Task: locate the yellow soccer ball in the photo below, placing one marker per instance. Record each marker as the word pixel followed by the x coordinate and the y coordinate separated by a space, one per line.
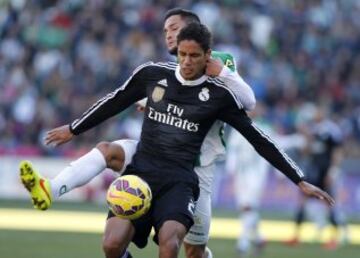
pixel 129 197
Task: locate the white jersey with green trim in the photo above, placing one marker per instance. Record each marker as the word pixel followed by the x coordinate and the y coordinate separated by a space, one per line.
pixel 213 147
pixel 212 150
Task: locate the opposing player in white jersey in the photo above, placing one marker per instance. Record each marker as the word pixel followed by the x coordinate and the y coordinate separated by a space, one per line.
pixel 250 173
pixel 117 155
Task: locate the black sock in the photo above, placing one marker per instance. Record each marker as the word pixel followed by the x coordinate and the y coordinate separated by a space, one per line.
pixel 126 254
pixel 300 215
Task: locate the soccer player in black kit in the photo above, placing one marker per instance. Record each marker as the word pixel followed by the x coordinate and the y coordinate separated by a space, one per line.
pixel 182 105
pixel 324 153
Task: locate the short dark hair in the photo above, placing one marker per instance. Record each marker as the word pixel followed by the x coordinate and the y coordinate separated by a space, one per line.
pixel 187 15
pixel 197 32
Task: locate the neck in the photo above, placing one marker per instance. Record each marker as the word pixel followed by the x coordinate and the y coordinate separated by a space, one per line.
pixel 196 80
pixel 195 77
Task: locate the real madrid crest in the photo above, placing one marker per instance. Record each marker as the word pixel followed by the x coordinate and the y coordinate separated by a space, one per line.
pixel 204 94
pixel 158 93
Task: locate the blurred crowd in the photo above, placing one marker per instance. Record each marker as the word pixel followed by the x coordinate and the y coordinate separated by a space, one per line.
pixel 58 57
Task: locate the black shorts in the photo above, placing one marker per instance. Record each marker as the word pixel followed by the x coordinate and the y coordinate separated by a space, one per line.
pixel 173 201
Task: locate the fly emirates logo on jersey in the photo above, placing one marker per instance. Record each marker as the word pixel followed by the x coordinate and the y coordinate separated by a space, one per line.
pixel 173 117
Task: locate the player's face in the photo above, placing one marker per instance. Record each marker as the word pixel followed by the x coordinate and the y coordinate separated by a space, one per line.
pixel 192 59
pixel 172 27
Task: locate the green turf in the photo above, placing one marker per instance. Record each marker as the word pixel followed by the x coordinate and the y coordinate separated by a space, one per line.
pixel 26 244
pixel 48 244
pixel 101 207
pixel 58 205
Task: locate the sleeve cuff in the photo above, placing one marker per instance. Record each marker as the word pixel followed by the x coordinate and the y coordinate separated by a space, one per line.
pixel 72 130
pixel 298 180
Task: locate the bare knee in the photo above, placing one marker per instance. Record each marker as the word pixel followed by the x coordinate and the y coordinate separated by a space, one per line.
pixel 170 246
pixel 117 236
pixel 113 154
pixel 194 251
pixel 112 245
pixel 171 236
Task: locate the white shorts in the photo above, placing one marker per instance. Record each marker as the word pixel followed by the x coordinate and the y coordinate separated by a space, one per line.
pixel 129 147
pixel 199 233
pixel 249 186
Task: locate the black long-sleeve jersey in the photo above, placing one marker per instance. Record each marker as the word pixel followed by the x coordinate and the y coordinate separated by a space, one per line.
pixel 326 138
pixel 177 117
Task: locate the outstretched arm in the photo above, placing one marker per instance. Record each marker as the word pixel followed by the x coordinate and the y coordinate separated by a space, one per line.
pixel 113 103
pixel 261 142
pixel 267 149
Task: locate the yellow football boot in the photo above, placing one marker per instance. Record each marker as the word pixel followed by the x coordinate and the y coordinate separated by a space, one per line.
pixel 37 186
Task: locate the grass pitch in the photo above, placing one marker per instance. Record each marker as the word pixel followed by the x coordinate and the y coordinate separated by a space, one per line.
pixel 39 244
pixel 66 232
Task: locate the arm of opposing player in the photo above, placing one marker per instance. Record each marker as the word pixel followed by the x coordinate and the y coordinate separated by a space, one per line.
pixel 233 81
pixel 243 91
pixel 113 103
pixel 262 143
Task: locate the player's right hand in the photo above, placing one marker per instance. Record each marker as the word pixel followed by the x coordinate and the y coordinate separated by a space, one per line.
pixel 58 136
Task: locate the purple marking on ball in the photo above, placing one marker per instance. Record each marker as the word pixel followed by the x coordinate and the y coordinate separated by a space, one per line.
pixel 118 210
pixel 125 184
pixel 129 212
pixel 118 185
pixel 132 191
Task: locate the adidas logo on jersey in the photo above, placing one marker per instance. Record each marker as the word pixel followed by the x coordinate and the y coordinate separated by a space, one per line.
pixel 163 82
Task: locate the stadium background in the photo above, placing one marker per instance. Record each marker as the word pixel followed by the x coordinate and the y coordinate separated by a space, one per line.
pixel 59 57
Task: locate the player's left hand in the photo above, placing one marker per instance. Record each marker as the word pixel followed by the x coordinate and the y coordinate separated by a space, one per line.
pixel 214 67
pixel 311 190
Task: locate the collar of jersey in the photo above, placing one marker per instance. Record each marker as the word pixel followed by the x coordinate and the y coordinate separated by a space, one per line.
pixel 188 82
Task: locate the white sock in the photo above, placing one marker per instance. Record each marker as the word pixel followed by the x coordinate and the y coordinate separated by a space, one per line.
pixel 208 253
pixel 78 173
pixel 126 254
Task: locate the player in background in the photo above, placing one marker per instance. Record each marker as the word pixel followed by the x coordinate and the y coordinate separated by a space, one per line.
pixel 118 154
pixel 324 151
pixel 249 172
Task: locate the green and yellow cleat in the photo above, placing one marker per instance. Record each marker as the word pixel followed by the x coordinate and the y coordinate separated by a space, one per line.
pixel 37 186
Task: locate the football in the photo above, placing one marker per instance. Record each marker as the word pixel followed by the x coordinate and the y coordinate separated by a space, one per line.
pixel 129 197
